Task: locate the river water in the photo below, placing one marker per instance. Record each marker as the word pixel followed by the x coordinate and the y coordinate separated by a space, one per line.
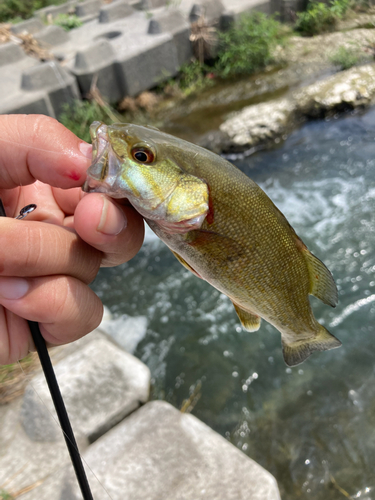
pixel 311 426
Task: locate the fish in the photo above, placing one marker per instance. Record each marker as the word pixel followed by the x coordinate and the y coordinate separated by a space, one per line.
pixel 221 226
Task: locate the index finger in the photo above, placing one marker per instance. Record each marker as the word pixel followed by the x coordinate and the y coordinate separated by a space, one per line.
pixel 39 147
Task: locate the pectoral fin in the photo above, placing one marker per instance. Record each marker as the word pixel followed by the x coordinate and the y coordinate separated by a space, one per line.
pixel 250 321
pixel 185 264
pixel 296 352
pixel 322 284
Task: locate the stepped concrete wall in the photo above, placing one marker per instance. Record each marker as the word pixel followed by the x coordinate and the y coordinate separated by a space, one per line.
pixel 126 47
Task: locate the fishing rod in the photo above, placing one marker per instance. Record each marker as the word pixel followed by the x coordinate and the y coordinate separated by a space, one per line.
pixel 54 388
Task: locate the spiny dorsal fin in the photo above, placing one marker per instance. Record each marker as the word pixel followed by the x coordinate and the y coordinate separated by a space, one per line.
pixel 250 321
pixel 322 284
pixel 296 352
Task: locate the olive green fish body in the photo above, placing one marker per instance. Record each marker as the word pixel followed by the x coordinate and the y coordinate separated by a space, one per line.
pixel 222 227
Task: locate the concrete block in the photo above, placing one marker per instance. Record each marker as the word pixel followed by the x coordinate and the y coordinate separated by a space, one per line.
pixel 53 11
pixel 172 21
pixel 97 61
pixel 101 384
pixel 32 26
pixel 10 53
pixel 211 10
pixel 88 8
pixel 51 35
pixel 46 86
pixel 25 464
pixel 144 69
pixel 160 453
pixel 151 4
pixel 114 11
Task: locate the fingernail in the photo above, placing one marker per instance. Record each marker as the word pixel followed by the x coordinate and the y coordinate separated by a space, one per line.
pixel 86 149
pixel 112 220
pixel 13 288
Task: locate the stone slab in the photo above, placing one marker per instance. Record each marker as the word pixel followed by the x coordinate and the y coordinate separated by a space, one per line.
pixel 100 384
pixel 161 453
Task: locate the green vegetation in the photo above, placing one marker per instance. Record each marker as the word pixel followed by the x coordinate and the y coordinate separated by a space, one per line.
pixel 5 496
pixel 320 17
pixel 78 116
pixel 68 21
pixel 345 57
pixel 23 9
pixel 247 46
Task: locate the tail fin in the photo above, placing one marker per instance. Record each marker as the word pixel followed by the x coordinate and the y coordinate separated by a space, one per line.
pixel 297 352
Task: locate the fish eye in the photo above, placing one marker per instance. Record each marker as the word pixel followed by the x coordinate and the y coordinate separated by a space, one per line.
pixel 143 155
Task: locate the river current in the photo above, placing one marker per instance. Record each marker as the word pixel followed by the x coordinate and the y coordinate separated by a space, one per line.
pixel 311 426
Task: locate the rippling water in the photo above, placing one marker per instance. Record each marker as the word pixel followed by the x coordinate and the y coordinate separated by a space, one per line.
pixel 311 426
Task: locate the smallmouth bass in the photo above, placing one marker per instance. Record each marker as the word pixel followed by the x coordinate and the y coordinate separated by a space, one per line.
pixel 221 226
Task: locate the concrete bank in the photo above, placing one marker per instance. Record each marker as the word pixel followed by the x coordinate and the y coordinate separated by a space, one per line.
pixel 134 449
pixel 126 46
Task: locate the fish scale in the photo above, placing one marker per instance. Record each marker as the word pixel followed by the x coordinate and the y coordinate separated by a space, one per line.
pixel 221 226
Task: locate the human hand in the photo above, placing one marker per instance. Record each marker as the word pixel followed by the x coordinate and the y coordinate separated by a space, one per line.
pixel 48 259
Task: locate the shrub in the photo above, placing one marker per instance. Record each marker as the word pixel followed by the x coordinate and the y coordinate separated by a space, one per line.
pixel 247 46
pixel 318 18
pixel 68 21
pixel 22 8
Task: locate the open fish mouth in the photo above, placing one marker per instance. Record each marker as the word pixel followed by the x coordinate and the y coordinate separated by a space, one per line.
pixel 103 174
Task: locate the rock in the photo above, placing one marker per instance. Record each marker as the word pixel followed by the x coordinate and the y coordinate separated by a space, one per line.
pixel 270 121
pixel 127 331
pixel 161 453
pixel 348 89
pixel 260 123
pixel 101 384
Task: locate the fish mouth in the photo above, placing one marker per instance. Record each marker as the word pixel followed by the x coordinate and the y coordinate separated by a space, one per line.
pixel 106 167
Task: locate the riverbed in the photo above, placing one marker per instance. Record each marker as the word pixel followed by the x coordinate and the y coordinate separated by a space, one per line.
pixel 312 425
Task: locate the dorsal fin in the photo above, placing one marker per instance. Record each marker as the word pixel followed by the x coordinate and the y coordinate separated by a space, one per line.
pixel 322 284
pixel 250 321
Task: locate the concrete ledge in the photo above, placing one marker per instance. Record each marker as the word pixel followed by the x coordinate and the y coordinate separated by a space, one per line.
pixel 101 384
pixel 160 453
pixel 10 53
pixel 114 11
pixel 32 26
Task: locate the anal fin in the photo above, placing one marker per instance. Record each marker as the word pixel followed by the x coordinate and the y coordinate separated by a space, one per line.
pixel 250 321
pixel 322 284
pixel 296 352
pixel 185 264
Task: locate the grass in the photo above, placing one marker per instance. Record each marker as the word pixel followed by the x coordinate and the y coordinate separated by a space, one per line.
pixel 345 57
pixel 78 116
pixel 5 496
pixel 13 380
pixel 68 21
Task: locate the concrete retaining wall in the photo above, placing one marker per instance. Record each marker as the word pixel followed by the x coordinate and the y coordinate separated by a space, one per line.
pixel 126 46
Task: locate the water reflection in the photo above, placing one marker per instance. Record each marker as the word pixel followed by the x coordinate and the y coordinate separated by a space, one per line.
pixel 311 426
